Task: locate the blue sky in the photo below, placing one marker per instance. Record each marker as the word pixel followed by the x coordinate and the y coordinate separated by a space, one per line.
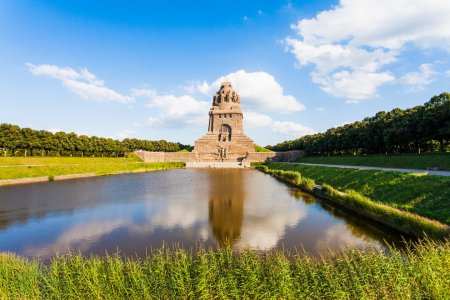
pixel 148 69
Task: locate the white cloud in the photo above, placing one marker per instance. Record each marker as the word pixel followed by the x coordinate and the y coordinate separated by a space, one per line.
pixel 258 91
pixel 137 124
pixel 245 18
pixel 363 36
pixel 54 130
pixel 125 133
pixel 148 93
pixel 260 12
pixel 447 73
pixel 352 101
pixel 253 119
pixel 417 80
pixel 345 123
pixel 71 79
pixel 291 129
pixel 178 111
pixel 321 108
pixel 153 122
pixel 354 85
pixel 192 87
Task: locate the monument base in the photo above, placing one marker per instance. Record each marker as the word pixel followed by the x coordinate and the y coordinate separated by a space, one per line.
pixel 218 165
pixel 209 148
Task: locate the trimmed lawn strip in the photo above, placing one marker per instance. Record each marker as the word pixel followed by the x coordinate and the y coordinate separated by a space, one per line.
pixel 402 161
pixel 61 160
pixel 422 194
pixel 100 169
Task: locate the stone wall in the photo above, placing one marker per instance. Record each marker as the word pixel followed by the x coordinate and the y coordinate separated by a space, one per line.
pixel 193 156
pixel 148 156
pixel 274 156
pixel 293 155
pixel 180 156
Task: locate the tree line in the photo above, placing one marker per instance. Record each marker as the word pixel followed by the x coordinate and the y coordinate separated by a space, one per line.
pixel 424 128
pixel 16 141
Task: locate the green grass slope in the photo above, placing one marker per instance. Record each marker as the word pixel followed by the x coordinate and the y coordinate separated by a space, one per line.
pixel 404 161
pixel 261 149
pixel 425 195
pixel 188 149
pixel 61 160
pixel 15 172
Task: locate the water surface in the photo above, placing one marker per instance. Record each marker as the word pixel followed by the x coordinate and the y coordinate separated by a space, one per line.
pixel 136 212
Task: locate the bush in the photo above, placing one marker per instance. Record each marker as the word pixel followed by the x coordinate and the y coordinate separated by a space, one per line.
pixel 308 184
pixel 51 178
pixel 403 221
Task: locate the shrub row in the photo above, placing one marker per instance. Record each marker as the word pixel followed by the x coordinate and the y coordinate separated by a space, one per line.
pixel 406 222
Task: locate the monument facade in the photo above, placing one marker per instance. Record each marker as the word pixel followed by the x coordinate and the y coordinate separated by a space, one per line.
pixel 225 139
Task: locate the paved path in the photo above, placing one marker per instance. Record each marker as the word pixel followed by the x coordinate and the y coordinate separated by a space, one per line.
pixel 442 173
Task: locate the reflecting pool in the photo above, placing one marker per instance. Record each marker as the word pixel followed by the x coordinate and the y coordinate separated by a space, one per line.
pixel 136 212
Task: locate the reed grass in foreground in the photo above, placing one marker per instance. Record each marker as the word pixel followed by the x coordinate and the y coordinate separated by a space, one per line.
pixel 420 272
pixel 406 222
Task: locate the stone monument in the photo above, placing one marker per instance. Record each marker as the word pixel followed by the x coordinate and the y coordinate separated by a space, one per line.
pixel 225 140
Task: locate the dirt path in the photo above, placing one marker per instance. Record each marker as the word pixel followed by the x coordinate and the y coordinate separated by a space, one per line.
pixel 442 173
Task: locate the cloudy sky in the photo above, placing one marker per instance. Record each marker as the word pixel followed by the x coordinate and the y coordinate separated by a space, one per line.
pixel 148 69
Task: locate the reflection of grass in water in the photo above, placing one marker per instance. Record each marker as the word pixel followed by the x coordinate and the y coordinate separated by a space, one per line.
pixel 422 273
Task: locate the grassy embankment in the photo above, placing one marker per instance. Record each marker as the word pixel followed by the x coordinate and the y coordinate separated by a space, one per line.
pixel 403 161
pixel 400 200
pixel 261 149
pixel 188 149
pixel 421 273
pixel 24 167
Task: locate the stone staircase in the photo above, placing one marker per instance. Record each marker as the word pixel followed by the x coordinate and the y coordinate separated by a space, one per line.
pixel 216 165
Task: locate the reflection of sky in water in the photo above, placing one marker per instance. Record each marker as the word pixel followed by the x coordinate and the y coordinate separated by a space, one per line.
pixel 136 211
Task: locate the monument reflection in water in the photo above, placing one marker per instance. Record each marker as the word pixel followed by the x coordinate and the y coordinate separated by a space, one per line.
pixel 226 206
pixel 134 212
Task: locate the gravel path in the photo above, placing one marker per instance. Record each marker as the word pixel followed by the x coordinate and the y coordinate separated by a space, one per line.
pixel 442 173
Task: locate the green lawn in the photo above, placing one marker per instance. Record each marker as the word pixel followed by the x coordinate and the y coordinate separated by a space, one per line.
pixel 57 160
pixel 405 161
pixel 261 149
pixel 76 166
pixel 425 195
pixel 188 149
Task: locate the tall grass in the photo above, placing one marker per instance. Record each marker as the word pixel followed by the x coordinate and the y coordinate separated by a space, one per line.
pixel 406 222
pixel 419 272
